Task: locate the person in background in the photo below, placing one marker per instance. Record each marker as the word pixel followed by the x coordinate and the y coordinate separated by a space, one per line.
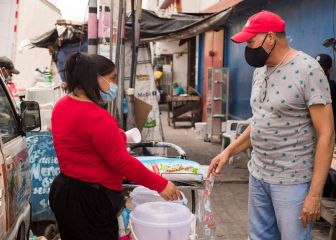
pixel 157 75
pixel 7 70
pixel 326 63
pixel 178 89
pixel 86 196
pixel 291 132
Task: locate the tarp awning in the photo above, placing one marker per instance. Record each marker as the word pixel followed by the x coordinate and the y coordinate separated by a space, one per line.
pixel 64 32
pixel 179 26
pixel 152 28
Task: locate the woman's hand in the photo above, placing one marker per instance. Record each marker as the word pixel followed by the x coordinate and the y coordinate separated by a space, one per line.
pixel 171 193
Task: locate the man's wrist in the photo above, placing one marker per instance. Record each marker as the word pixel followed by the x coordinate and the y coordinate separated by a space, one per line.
pixel 315 193
pixel 228 151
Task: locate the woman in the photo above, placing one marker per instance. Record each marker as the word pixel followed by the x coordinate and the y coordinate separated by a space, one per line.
pixel 92 155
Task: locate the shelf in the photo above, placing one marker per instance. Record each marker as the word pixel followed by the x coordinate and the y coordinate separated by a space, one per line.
pixel 218 116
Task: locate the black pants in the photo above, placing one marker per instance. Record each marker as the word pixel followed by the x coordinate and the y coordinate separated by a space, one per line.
pixel 83 211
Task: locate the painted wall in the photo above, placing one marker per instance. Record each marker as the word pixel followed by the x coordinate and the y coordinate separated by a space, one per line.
pixel 208 3
pixel 308 22
pixel 180 59
pixel 191 6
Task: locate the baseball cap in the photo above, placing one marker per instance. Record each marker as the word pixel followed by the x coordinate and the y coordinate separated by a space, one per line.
pixel 261 22
pixel 7 63
pixel 324 60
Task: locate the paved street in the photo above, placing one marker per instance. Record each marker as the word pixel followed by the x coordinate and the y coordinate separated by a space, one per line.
pixel 231 189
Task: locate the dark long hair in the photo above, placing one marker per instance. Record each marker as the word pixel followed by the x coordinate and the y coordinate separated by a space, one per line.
pixel 82 70
pixel 104 65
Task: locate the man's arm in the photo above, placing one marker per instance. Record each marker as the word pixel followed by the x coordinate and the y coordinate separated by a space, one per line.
pixel 242 143
pixel 322 118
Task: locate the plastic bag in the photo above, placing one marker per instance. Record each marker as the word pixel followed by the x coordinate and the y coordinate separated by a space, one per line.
pixel 205 216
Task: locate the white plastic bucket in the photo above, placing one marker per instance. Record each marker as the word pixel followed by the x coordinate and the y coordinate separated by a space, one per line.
pixel 133 135
pixel 161 220
pixel 141 195
pixel 201 129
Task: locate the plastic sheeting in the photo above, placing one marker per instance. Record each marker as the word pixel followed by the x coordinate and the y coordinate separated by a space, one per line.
pixel 43 168
pixel 180 26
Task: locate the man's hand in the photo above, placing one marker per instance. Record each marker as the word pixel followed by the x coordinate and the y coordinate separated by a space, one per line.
pixel 311 210
pixel 217 163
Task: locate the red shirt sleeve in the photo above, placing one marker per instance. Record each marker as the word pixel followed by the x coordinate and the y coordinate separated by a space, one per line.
pixel 110 144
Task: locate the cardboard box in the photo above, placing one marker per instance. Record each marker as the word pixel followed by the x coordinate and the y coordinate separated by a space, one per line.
pixel 141 112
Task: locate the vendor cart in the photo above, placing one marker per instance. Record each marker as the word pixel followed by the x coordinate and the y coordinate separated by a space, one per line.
pixel 181 180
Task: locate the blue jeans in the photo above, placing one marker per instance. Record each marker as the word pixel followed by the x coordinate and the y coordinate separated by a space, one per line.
pixel 274 211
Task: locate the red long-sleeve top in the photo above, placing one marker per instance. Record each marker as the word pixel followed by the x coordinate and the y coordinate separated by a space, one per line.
pixel 90 147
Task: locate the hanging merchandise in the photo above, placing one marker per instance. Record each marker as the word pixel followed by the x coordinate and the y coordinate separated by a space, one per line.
pixel 145 90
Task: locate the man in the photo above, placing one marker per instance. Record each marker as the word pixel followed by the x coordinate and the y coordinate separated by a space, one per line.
pixel 291 133
pixel 7 69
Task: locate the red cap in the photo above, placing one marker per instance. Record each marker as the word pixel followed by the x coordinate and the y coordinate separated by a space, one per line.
pixel 261 22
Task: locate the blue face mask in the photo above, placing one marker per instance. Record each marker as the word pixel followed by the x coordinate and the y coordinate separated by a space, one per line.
pixel 111 94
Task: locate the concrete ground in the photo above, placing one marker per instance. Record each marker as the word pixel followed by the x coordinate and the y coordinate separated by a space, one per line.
pixel 230 192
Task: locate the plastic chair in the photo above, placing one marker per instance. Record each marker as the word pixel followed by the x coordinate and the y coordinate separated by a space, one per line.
pixel 234 128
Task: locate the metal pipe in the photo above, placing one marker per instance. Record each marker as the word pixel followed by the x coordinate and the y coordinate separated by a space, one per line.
pixel 136 36
pixel 121 75
pixel 120 16
pixel 92 27
pixel 133 62
pixel 120 11
pixel 111 31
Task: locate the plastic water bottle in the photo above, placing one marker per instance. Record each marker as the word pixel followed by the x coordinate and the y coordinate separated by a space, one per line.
pixel 47 75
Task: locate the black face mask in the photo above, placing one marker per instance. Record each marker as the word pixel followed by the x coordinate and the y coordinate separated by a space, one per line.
pixel 257 57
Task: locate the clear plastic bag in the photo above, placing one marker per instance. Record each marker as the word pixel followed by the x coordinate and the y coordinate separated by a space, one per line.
pixel 205 215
